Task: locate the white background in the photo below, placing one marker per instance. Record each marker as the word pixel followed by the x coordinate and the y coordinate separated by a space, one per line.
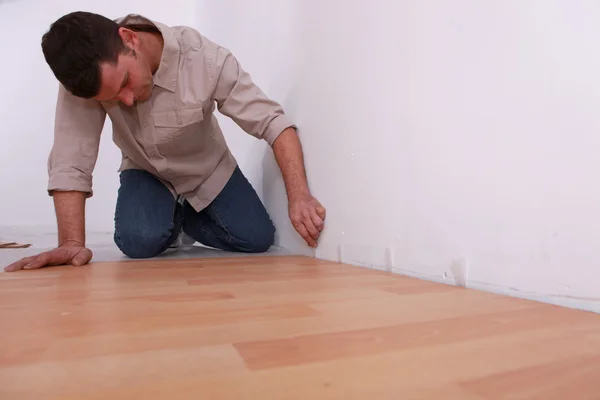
pixel 450 140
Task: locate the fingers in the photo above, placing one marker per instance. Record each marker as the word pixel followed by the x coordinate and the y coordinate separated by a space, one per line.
pixel 41 261
pixel 83 257
pixel 310 226
pixel 317 220
pixel 301 229
pixel 308 218
pixel 321 211
pixel 16 266
pixel 305 225
pixel 58 256
pixel 53 257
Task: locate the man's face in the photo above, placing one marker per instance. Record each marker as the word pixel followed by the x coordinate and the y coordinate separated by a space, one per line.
pixel 127 81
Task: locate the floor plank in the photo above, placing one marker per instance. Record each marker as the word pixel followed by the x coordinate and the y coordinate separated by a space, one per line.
pixel 282 327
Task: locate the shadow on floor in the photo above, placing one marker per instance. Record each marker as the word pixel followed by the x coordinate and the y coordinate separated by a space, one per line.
pixel 105 252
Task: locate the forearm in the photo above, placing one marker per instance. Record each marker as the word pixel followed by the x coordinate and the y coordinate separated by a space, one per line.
pixel 70 217
pixel 289 156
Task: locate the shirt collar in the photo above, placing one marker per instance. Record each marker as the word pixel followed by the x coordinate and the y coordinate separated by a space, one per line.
pixel 166 75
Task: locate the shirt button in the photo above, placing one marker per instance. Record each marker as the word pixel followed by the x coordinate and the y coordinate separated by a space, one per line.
pixel 178 122
pixel 145 124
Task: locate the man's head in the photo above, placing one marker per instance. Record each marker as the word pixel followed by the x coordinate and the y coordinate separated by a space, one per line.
pixel 94 57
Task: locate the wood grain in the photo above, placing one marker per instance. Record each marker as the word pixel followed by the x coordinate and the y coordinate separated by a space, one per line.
pixel 282 328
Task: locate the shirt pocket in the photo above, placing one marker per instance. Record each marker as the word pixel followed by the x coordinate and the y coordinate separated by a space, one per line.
pixel 172 124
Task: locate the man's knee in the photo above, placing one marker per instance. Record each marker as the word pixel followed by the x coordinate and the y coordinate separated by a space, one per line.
pixel 259 241
pixel 137 243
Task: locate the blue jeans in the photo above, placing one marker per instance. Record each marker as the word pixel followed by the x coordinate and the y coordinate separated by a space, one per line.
pixel 148 218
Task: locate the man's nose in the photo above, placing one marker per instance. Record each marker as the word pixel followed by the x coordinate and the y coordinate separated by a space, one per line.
pixel 126 97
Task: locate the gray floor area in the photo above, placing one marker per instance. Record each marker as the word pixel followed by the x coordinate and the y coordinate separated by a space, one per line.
pixel 102 246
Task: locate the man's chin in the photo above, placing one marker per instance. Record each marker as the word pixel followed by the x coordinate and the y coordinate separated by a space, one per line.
pixel 144 96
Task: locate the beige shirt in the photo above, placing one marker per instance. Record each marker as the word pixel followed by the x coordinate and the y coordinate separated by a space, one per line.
pixel 174 135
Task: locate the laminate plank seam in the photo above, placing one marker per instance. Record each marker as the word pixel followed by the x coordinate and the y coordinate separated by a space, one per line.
pixel 311 348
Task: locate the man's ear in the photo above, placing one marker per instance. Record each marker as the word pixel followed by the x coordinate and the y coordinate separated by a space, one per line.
pixel 129 37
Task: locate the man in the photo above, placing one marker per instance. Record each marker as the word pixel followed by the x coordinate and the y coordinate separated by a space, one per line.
pixel 160 87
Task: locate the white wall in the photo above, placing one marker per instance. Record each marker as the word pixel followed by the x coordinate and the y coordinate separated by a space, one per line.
pixel 27 108
pixel 463 135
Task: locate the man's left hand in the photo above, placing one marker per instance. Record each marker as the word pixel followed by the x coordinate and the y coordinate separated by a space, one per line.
pixel 308 218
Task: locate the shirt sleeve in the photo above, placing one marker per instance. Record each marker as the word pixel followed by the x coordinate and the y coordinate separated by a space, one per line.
pixel 77 129
pixel 239 98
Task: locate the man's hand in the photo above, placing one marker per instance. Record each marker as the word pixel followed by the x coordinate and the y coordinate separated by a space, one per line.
pixel 73 254
pixel 308 217
pixel 306 213
pixel 70 213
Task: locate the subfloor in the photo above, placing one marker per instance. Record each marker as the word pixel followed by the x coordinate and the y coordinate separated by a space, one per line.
pixel 281 327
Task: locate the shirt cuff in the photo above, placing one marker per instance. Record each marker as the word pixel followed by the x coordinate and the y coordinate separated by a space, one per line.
pixel 69 183
pixel 276 127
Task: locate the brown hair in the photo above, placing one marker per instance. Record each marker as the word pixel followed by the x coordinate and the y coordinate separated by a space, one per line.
pixel 74 47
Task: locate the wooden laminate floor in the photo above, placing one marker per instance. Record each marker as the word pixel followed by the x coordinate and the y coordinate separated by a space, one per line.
pixel 281 328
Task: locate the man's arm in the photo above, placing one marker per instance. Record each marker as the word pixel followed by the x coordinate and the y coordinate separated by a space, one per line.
pixel 70 217
pixel 306 213
pixel 240 99
pixel 77 132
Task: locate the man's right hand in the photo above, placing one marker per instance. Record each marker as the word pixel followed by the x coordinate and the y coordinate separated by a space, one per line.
pixel 73 254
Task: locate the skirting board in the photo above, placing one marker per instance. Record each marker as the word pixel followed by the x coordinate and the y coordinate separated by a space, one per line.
pixel 455 273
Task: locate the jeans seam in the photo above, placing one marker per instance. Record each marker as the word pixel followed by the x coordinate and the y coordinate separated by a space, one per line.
pixel 230 238
pixel 208 232
pixel 117 225
pixel 174 221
